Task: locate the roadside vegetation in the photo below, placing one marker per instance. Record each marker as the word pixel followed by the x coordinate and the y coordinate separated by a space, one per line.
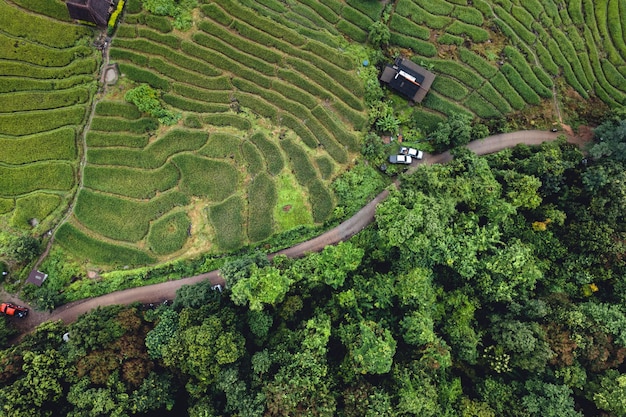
pixel 488 286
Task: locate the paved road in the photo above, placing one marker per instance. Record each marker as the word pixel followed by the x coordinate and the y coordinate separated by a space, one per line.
pixel 167 290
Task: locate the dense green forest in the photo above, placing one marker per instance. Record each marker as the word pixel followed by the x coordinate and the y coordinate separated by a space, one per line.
pixel 488 286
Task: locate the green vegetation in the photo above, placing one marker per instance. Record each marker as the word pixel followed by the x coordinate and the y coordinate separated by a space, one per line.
pixel 228 222
pixel 169 233
pixel 261 202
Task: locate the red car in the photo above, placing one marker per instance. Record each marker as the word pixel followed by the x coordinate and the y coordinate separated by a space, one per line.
pixel 13 310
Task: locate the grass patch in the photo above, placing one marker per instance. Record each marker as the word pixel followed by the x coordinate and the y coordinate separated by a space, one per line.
pixel 292 208
pixel 321 200
pixel 227 220
pixel 131 182
pixel 169 233
pixel 57 144
pixel 35 206
pixel 203 177
pixel 262 198
pixel 19 180
pixel 27 123
pixel 102 139
pixel 222 145
pixel 96 251
pixel 252 158
pixel 325 166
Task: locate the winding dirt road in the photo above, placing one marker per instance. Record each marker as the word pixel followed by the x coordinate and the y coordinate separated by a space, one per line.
pixel 167 290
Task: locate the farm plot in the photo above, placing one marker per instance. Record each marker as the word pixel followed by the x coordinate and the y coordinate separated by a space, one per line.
pixel 245 76
pixel 47 82
pixel 503 56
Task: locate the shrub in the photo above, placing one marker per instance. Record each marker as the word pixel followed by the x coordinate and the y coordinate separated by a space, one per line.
pixel 121 219
pixel 520 85
pixel 449 88
pixel 203 177
pixel 133 6
pixel 112 124
pixel 183 103
pixel 232 120
pixel 144 76
pixel 117 108
pixel 58 144
pixel 262 197
pixel 113 18
pixel 192 121
pixel 425 120
pixel 254 161
pixel 43 100
pixel 300 163
pixel 154 155
pixel 34 206
pixel 228 221
pixel 131 182
pixel 18 180
pixel 169 233
pixel 147 101
pixel 222 145
pixel 501 84
pixel 19 124
pixel 418 46
pixel 95 251
pixel 271 153
pixel 322 204
pixel 101 139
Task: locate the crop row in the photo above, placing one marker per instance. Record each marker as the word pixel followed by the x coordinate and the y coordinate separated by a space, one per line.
pixel 131 182
pixel 50 175
pixel 120 218
pixel 51 8
pixel 418 46
pixel 202 177
pixel 262 197
pixel 227 119
pixel 154 155
pixel 271 153
pixel 118 124
pixel 43 100
pixel 228 222
pixel 104 139
pixel 476 103
pixel 222 145
pixel 301 165
pixel 58 144
pixel 118 109
pixel 252 158
pixel 80 244
pixel 321 200
pixel 24 69
pixel 417 14
pixel 144 76
pixel 257 105
pixel 37 121
pixel 187 104
pixel 435 102
pixel 13 84
pixel 34 206
pixel 16 49
pixel 521 65
pixel 169 233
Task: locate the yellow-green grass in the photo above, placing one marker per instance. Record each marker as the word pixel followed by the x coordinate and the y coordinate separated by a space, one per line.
pixel 262 198
pixel 104 139
pixel 27 123
pixel 253 158
pixel 34 206
pixel 271 153
pixel 6 205
pixel 23 83
pixel 120 218
pixel 56 144
pixel 292 208
pixel 169 233
pixel 22 50
pixel 321 200
pixel 52 8
pixel 90 250
pixel 202 177
pixel 228 223
pixel 42 100
pixel 131 182
pixel 53 175
pixel 222 145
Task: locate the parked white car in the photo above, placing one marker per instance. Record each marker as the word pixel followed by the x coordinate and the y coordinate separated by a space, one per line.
pixel 400 159
pixel 412 152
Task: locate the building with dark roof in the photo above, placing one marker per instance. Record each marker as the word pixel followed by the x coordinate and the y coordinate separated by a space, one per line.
pixel 94 11
pixel 408 79
pixel 36 277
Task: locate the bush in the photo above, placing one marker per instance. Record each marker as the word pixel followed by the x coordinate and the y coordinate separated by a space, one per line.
pixel 34 206
pixel 231 120
pixel 271 153
pixel 117 108
pixel 192 121
pixel 169 233
pixel 424 120
pixel 58 144
pixel 96 251
pixel 228 221
pixel 300 163
pixel 101 139
pixel 121 219
pixel 252 158
pixel 154 155
pixel 27 123
pixel 418 46
pixel 112 124
pixel 143 76
pixel 322 204
pixel 262 197
pixel 160 23
pixel 147 101
pixel 203 177
pixel 18 180
pixel 131 182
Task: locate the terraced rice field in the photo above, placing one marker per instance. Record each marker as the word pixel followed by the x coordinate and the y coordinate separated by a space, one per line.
pixel 47 80
pixel 261 100
pixel 494 57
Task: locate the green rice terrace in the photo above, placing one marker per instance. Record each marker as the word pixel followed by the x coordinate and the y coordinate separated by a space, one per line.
pixel 269 105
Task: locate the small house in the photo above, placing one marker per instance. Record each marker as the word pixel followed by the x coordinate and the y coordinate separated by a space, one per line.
pixel 408 79
pixel 93 11
pixel 36 277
